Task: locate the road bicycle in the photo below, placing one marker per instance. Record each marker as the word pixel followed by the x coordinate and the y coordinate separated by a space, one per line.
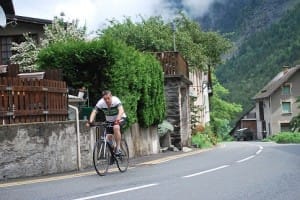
pixel 104 150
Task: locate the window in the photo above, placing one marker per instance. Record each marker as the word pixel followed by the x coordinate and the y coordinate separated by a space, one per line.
pixel 261 111
pixel 285 127
pixel 286 89
pixel 5 49
pixel 286 107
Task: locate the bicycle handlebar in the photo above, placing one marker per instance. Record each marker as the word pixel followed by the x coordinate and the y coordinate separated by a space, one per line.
pixel 99 124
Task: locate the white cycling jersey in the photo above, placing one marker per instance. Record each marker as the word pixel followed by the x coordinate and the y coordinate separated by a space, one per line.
pixel 112 112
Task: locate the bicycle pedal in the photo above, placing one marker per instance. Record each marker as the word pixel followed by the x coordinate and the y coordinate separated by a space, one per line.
pixel 111 161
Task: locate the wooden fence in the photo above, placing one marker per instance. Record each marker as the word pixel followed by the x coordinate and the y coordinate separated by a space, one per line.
pixel 32 100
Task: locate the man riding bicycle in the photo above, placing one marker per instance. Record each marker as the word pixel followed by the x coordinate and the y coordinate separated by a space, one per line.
pixel 114 115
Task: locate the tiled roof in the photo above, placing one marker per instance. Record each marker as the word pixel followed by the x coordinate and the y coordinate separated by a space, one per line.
pixel 276 82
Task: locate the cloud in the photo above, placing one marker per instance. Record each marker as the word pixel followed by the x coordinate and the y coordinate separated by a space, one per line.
pixel 95 13
pixel 197 7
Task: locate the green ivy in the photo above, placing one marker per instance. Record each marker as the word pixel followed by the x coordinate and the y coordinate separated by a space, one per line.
pixel 136 78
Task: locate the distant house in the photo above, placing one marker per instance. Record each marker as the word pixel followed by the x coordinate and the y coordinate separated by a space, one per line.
pixel 15 27
pixel 276 102
pixel 247 122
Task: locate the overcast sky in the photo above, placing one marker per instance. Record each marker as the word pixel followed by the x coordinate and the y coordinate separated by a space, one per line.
pixel 95 13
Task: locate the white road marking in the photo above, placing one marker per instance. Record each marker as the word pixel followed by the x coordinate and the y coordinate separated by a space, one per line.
pixel 117 192
pixel 250 157
pixel 245 159
pixel 260 150
pixel 206 171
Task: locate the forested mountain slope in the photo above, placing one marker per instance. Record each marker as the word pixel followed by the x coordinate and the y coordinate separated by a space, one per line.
pixel 260 57
pixel 244 17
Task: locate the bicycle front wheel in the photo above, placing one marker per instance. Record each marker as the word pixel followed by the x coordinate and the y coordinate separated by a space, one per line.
pixel 101 157
pixel 123 159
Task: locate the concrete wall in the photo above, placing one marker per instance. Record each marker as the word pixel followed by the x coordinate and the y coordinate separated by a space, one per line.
pixel 47 148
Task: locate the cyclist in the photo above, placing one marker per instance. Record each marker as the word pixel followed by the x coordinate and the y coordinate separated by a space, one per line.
pixel 114 115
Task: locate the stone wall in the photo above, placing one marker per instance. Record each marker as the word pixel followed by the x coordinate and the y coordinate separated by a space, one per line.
pixel 47 148
pixel 178 109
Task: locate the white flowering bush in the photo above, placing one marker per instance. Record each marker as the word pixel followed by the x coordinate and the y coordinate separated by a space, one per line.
pixel 164 128
pixel 26 52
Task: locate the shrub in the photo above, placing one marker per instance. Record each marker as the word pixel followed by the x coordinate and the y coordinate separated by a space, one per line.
pixel 205 138
pixel 201 140
pixel 285 137
pixel 164 128
pixel 135 77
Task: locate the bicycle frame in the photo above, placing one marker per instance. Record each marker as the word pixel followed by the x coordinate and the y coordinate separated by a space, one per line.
pixel 107 149
pixel 103 136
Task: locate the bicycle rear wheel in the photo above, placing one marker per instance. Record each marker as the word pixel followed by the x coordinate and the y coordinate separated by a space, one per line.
pixel 123 159
pixel 101 157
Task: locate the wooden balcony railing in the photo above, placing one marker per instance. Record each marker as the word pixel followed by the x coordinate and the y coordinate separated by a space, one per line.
pixel 173 63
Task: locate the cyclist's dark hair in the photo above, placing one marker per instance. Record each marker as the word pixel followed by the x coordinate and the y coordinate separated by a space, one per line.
pixel 106 92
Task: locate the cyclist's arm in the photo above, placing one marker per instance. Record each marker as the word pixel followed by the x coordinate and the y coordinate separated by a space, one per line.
pixel 92 116
pixel 121 112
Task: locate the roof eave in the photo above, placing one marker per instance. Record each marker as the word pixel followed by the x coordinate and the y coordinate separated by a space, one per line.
pixel 29 19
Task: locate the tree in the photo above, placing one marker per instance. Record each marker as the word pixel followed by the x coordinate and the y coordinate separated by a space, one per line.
pixel 58 31
pixel 222 112
pixel 295 122
pixel 199 48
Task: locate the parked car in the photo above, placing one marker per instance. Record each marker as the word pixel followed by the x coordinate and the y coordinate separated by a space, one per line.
pixel 243 134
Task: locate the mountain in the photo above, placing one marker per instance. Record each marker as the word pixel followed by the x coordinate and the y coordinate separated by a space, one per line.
pixel 244 17
pixel 267 37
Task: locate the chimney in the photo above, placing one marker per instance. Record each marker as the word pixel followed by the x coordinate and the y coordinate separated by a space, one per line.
pixel 285 69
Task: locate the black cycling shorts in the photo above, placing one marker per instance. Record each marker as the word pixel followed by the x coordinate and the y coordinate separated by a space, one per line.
pixel 110 126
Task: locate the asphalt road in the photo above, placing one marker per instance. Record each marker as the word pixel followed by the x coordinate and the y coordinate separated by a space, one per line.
pixel 232 171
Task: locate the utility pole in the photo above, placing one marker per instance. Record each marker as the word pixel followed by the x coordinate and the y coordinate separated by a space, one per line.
pixel 174 35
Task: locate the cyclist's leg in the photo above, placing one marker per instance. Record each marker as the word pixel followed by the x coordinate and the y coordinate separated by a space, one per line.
pixel 117 133
pixel 109 134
